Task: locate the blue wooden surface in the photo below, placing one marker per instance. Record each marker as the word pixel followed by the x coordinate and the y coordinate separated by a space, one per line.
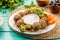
pixel 6 33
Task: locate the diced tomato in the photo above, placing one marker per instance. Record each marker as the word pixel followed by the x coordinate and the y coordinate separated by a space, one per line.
pixel 51 19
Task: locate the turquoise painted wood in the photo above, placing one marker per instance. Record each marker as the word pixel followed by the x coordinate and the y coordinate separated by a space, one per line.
pixel 6 33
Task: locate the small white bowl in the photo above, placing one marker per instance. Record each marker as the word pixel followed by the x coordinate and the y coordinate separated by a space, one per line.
pixel 1 20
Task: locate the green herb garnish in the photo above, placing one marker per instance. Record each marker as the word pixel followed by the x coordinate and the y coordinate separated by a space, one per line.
pixel 39 12
pixel 12 4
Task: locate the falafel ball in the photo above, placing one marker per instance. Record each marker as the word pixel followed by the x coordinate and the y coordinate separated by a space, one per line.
pixel 19 22
pixel 17 17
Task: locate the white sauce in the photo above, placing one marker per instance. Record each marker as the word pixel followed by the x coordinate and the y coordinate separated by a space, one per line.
pixel 30 18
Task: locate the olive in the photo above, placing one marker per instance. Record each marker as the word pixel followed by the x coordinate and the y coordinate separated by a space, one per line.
pixel 57 1
pixel 50 4
pixel 58 4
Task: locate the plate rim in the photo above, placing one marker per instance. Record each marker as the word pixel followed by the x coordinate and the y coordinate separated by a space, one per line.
pixel 21 32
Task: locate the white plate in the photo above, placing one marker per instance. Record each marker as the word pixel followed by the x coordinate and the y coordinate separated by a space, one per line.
pixel 14 27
